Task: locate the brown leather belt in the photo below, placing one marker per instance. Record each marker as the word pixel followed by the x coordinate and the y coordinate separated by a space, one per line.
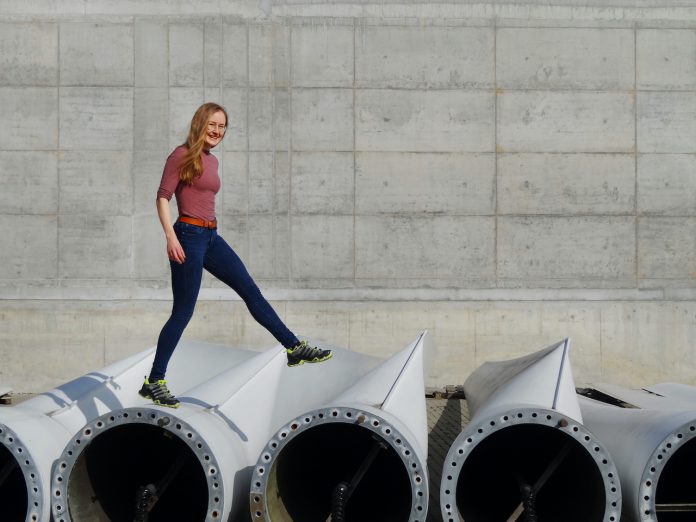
pixel 198 222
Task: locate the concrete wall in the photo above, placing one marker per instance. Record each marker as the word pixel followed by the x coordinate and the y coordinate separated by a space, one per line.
pixel 503 174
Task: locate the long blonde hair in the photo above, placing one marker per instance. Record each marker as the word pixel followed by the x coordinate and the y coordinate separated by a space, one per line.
pixel 191 164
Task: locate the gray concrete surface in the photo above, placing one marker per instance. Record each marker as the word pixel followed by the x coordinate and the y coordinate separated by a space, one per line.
pixel 503 173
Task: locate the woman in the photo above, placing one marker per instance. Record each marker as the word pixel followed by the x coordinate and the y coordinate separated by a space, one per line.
pixel 191 173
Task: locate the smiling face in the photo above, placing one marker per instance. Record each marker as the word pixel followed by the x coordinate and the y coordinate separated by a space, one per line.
pixel 215 130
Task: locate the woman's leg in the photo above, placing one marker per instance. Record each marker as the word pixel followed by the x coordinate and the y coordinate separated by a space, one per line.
pixel 186 283
pixel 224 263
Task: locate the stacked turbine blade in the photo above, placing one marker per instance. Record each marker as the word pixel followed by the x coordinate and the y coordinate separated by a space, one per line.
pixel 34 433
pixel 29 443
pixel 358 455
pixel 525 455
pixel 653 442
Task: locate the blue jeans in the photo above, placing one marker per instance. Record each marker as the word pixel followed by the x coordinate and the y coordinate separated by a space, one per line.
pixel 204 248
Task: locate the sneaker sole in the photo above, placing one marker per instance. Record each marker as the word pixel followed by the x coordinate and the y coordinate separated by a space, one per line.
pixel 157 403
pixel 300 363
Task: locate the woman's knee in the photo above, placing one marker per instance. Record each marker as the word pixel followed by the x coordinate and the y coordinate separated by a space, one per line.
pixel 181 316
pixel 249 291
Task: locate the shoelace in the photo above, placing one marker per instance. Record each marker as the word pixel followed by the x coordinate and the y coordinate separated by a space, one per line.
pixel 161 390
pixel 304 350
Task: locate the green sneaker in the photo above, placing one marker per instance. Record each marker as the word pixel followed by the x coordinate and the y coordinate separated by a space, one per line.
pixel 159 393
pixel 303 353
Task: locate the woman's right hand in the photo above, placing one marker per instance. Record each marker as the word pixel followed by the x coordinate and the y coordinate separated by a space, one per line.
pixel 175 251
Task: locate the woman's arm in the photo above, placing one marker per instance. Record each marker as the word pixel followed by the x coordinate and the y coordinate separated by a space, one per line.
pixel 174 249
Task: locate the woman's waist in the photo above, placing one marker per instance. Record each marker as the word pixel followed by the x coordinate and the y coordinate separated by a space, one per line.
pixel 197 221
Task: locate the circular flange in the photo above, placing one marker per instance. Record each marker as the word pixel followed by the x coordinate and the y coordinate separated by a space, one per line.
pixel 162 419
pixel 656 465
pixel 468 439
pixel 346 415
pixel 30 472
